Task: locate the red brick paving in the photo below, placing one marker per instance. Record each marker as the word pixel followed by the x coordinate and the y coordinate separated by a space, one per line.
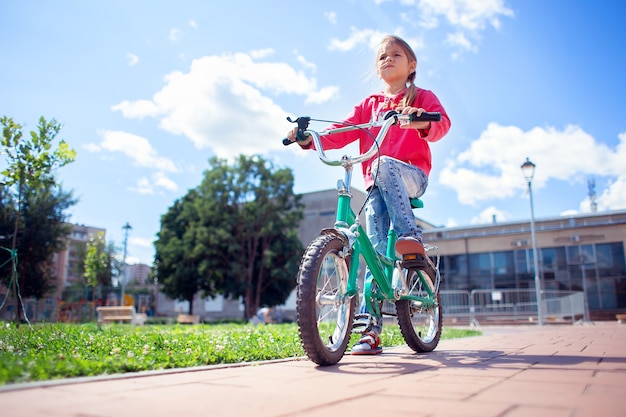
pixel 513 371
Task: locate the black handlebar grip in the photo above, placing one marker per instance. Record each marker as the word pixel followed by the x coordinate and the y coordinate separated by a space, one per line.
pixel 426 117
pixel 303 124
pixel 300 137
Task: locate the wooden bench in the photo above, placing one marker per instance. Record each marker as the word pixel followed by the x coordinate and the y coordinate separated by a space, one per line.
pixel 120 314
pixel 188 319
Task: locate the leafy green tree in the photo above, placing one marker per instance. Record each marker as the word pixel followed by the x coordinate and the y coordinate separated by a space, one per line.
pixel 235 234
pixel 97 257
pixel 29 178
pixel 42 232
pixel 265 222
pixel 177 268
pixel 97 266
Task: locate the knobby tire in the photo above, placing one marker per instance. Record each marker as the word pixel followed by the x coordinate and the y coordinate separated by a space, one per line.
pixel 420 326
pixel 324 314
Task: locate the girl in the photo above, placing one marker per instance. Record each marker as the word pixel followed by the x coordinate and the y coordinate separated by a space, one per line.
pixel 401 172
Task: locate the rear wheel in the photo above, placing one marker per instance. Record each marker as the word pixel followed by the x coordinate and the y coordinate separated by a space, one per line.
pixel 324 312
pixel 420 323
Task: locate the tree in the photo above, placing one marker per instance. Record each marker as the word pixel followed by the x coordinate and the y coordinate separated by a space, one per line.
pixel 265 222
pixel 97 262
pixel 29 179
pixel 97 265
pixel 177 267
pixel 235 234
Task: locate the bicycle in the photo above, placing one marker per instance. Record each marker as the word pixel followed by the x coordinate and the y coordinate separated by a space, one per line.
pixel 327 282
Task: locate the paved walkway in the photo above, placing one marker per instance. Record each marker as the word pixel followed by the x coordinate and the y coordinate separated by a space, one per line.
pixel 549 371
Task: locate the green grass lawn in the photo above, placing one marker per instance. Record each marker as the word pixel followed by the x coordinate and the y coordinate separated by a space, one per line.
pixel 54 351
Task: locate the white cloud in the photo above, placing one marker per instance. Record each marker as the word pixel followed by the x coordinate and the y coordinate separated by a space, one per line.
pixel 490 167
pixel 471 15
pixel 136 148
pixel 161 180
pixel 452 223
pixel 91 147
pixel 158 180
pixel 140 241
pixel 305 63
pixel 132 59
pixel 331 16
pixel 459 39
pixel 371 39
pixel 225 103
pixel 174 34
pixel 143 187
pixel 193 24
pixel 261 53
pixel 137 109
pixel 614 196
pixel 323 95
pixel 490 215
pixel 467 18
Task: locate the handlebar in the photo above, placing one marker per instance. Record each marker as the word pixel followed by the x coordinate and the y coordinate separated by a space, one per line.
pixel 391 117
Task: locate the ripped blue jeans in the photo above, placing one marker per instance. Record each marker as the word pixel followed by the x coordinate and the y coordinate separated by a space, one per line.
pixel 395 183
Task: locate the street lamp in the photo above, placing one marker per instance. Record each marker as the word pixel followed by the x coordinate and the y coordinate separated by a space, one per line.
pixel 126 228
pixel 528 170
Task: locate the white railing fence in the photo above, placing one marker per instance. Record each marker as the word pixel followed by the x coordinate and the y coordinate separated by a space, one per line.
pixel 492 305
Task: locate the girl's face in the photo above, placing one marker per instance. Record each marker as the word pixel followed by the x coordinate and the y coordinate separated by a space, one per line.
pixel 394 65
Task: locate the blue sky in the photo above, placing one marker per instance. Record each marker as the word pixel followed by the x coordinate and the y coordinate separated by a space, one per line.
pixel 148 91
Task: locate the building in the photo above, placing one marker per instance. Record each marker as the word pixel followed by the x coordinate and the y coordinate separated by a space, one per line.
pixel 582 252
pixel 320 209
pixel 138 274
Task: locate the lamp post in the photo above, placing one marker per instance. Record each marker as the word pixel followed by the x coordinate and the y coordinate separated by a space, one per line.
pixel 528 170
pixel 126 228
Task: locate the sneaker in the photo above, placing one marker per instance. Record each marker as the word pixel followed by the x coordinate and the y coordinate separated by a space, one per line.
pixel 369 344
pixel 409 244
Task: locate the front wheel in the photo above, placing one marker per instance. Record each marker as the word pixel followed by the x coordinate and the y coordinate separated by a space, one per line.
pixel 420 322
pixel 324 312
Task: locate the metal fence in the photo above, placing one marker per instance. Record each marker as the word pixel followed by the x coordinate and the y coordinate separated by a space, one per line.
pixel 77 306
pixel 462 307
pixel 497 305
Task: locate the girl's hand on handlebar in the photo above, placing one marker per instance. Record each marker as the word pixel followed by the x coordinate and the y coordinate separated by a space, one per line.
pixel 413 125
pixel 293 134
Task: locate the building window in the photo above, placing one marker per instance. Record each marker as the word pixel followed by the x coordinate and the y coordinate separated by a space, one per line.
pixel 480 270
pixel 454 272
pixel 554 269
pixel 504 270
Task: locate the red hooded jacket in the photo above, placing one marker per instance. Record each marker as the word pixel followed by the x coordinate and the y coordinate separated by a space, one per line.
pixel 408 145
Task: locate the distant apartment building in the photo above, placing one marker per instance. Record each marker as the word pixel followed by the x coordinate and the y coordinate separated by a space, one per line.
pixel 138 274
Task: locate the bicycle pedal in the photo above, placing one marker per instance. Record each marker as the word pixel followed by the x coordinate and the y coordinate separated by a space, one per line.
pixel 362 323
pixel 360 330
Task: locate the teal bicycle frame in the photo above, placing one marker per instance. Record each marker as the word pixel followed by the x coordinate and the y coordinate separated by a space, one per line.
pixel 381 267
